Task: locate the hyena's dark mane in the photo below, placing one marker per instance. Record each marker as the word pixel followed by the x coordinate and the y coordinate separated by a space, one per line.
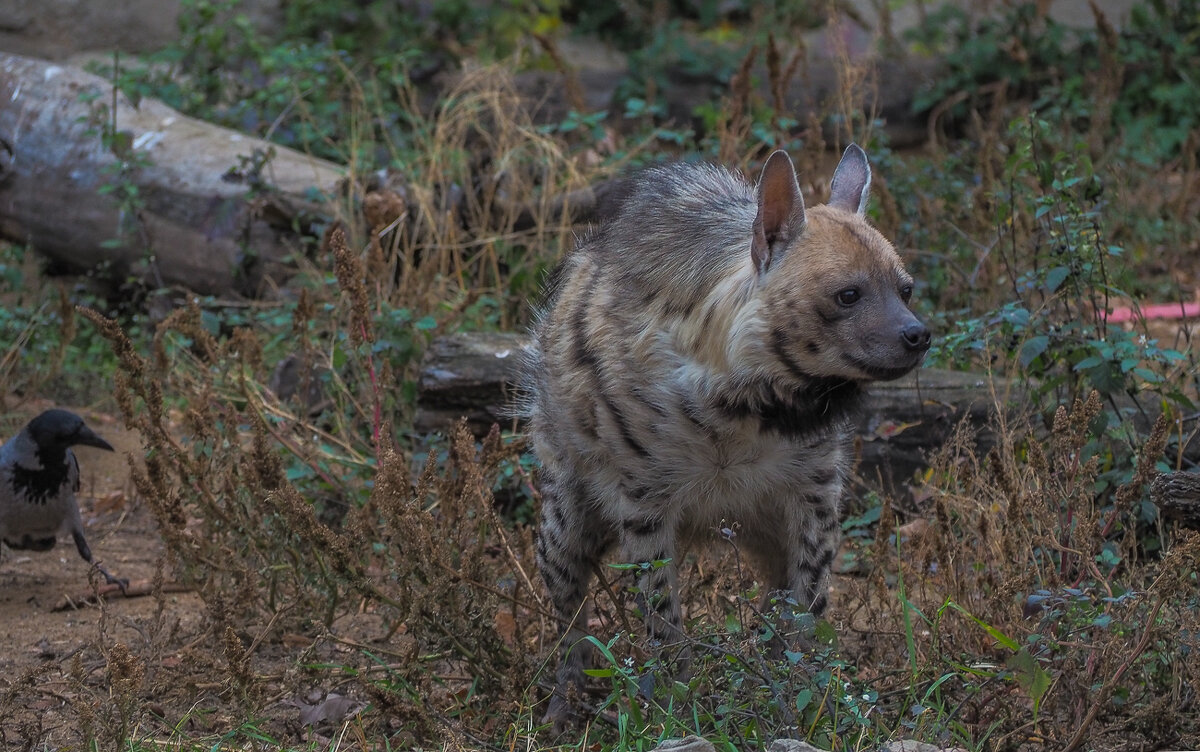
pixel 821 408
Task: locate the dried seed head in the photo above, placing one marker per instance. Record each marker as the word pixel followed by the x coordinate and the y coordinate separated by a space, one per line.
pixel 1145 471
pixel 248 346
pixel 125 672
pixel 1000 472
pixel 1061 420
pixel 304 312
pixel 350 275
pixel 383 207
pixel 237 657
pixel 1092 407
pixel 1038 461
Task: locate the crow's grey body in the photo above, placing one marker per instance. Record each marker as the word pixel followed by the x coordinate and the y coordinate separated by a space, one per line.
pixel 39 476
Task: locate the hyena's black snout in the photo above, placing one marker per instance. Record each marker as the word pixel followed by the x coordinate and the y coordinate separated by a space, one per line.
pixel 915 337
pixel 903 348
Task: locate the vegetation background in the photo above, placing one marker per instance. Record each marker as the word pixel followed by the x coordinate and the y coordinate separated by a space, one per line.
pixel 359 585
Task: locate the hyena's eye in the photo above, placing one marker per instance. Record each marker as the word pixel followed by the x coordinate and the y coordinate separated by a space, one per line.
pixel 906 293
pixel 849 296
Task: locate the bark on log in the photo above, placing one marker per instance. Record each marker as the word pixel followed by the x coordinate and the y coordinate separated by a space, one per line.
pixel 202 218
pixel 473 376
pixel 1177 496
pixel 470 375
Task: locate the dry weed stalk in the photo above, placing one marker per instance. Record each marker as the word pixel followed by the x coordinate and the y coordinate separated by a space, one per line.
pixel 125 675
pixel 855 98
pixel 16 721
pixel 1018 542
pixel 481 197
pixel 570 75
pixel 736 122
pixel 780 76
pixel 733 127
pixel 1110 78
pixel 218 476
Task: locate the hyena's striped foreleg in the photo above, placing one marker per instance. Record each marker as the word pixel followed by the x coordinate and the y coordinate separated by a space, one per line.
pixel 813 531
pixel 798 566
pixel 568 549
pixel 796 558
pixel 815 534
pixel 648 539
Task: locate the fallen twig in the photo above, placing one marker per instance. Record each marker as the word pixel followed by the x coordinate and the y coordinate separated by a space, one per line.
pixel 136 589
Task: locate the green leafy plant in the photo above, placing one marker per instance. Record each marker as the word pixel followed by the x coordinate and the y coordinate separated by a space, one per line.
pixel 1063 278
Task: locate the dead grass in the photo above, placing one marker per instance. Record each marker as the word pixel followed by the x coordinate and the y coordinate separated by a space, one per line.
pixel 1009 590
pixel 1008 625
pixel 483 198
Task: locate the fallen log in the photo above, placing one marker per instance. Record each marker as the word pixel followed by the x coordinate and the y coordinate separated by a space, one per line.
pixel 1177 496
pixel 88 178
pixel 470 375
pixel 473 376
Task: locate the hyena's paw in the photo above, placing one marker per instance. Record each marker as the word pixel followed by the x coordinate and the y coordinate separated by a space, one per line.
pixel 563 711
pixel 790 633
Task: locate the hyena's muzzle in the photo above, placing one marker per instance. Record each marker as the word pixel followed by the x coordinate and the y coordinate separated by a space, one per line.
pixel 893 343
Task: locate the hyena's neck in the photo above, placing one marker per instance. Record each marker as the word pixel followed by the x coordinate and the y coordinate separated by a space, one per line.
pixel 729 369
pixel 815 407
pixel 714 334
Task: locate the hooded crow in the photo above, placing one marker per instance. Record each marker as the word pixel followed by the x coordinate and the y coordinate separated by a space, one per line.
pixel 39 476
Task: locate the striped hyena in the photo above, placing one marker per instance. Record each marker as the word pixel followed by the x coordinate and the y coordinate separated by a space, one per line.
pixel 698 359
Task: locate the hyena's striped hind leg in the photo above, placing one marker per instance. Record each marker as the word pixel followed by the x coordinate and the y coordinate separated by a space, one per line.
pixel 569 546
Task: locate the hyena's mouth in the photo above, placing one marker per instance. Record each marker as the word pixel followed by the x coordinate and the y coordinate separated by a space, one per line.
pixel 880 373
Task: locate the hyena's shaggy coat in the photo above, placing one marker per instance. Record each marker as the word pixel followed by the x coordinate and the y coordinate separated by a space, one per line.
pixel 697 362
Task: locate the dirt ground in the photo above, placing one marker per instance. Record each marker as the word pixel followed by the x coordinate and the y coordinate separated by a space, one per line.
pixel 45 617
pixel 37 588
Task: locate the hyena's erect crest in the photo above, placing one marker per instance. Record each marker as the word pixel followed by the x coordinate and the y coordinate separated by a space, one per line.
pixel 698 360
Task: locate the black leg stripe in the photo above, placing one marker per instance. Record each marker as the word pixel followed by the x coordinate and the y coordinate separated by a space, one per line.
pixel 643 528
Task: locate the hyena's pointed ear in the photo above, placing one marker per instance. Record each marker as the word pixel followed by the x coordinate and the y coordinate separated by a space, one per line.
pixel 780 216
pixel 851 181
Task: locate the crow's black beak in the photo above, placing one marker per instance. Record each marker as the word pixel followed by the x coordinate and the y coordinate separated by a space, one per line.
pixel 86 437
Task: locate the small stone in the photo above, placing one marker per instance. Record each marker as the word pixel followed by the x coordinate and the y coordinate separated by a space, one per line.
pixel 686 744
pixel 911 745
pixel 792 745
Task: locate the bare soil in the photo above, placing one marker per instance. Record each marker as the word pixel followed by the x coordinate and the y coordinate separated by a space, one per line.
pixel 45 619
pixel 69 655
pixel 36 587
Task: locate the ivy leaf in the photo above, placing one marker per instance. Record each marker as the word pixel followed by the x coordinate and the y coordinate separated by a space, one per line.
pixel 1033 347
pixel 1030 676
pixel 1056 276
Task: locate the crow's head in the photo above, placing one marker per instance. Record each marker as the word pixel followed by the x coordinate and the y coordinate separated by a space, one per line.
pixel 59 429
